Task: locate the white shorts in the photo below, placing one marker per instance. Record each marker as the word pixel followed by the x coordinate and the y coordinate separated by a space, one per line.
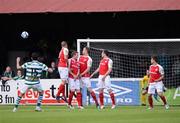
pixel 104 84
pixel 155 86
pixel 63 72
pixel 36 87
pixel 74 84
pixel 85 82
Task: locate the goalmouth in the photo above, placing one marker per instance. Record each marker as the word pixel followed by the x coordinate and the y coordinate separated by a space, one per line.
pixel 131 59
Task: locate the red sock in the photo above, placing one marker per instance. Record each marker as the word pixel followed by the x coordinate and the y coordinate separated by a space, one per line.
pixel 70 97
pixel 94 97
pixel 79 98
pixel 163 99
pixel 112 98
pixel 150 100
pixel 61 90
pixel 101 98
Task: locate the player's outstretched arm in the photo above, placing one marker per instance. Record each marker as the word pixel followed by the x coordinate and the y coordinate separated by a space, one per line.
pixel 18 66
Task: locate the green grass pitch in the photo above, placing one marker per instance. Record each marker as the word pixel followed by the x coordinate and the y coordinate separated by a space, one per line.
pixel 60 114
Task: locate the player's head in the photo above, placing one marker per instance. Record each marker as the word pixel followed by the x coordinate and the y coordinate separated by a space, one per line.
pixel 75 54
pixel 85 51
pixel 105 53
pixel 154 59
pixel 34 56
pixel 64 44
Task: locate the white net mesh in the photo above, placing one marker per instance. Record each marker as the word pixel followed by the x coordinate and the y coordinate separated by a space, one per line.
pixel 132 59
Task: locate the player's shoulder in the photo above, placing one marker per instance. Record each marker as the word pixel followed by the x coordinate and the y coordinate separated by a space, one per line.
pixel 66 49
pixel 110 59
pixel 89 57
pixel 145 77
pixel 28 63
pixel 40 63
pixel 159 66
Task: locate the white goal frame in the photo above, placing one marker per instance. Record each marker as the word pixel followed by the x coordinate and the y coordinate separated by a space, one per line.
pixel 79 41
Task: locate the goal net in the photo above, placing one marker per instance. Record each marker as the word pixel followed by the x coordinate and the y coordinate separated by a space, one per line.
pixel 131 57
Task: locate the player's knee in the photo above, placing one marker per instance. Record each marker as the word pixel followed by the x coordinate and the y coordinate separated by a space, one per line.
pixel 149 95
pixel 21 94
pixel 160 93
pixel 89 89
pixel 72 90
pixel 100 90
pixel 63 82
pixel 110 91
pixel 41 92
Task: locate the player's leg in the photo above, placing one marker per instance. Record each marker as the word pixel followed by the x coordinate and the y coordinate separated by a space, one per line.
pixel 93 95
pixel 23 91
pixel 108 87
pixel 101 98
pixel 38 88
pixel 151 91
pixel 64 76
pixel 72 90
pixel 79 94
pixel 159 88
pixel 101 92
pixel 143 96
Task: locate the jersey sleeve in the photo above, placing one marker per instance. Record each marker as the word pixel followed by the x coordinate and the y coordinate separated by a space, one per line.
pixel 24 66
pixel 45 68
pixel 110 63
pixel 161 70
pixel 89 62
pixel 66 51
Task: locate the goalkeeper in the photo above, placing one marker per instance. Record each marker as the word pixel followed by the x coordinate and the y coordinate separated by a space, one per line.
pixel 144 86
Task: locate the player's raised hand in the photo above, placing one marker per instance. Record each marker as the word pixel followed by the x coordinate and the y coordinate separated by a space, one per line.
pixel 18 59
pixel 50 70
pixel 147 72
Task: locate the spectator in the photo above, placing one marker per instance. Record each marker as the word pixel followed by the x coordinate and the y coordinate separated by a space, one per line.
pixel 19 75
pixel 55 73
pixel 7 75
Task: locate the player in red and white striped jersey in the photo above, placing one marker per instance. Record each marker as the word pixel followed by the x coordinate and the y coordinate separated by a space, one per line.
pixel 74 83
pixel 156 75
pixel 104 81
pixel 85 62
pixel 63 69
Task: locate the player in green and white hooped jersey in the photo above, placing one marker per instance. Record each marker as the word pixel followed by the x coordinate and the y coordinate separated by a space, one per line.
pixel 33 73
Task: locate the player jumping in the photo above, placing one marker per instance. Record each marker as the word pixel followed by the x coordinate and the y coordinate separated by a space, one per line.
pixel 104 69
pixel 74 83
pixel 156 75
pixel 63 70
pixel 85 65
pixel 34 71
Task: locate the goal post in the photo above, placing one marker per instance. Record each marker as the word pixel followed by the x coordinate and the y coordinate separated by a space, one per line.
pixel 131 58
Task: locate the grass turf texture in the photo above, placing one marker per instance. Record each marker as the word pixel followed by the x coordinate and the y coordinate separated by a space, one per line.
pixel 60 114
